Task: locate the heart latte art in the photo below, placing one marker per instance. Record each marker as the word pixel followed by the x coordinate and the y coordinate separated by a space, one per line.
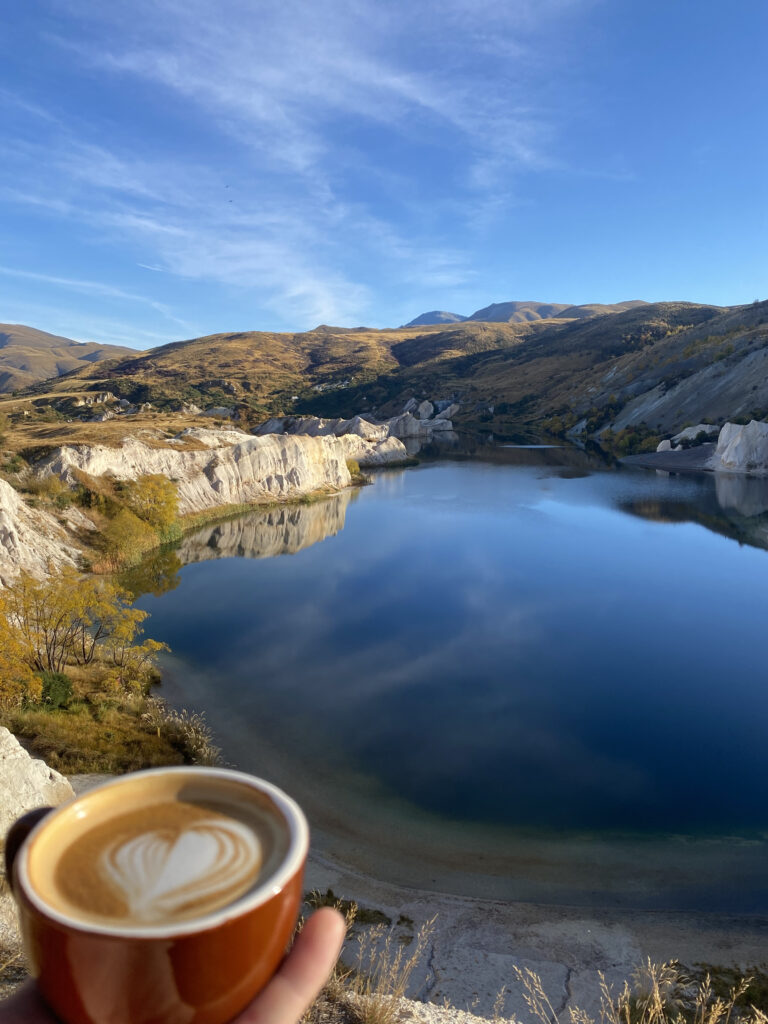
pixel 167 862
pixel 159 874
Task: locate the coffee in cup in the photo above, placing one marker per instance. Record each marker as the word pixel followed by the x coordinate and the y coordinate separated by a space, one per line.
pixel 164 895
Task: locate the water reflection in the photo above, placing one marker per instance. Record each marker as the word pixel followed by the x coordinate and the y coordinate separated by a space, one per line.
pixel 734 506
pixel 277 531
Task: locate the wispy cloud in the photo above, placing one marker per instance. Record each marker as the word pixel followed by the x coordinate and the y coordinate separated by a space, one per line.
pixel 91 288
pixel 288 174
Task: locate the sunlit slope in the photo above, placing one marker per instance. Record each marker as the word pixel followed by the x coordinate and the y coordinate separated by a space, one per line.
pixel 663 364
pixel 267 370
pixel 28 355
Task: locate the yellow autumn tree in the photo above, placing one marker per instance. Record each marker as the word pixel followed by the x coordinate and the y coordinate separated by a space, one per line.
pixel 153 498
pixel 126 538
pixel 18 683
pixel 68 619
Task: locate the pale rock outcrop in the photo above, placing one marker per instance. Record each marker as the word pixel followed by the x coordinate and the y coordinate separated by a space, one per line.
pixel 407 426
pixel 25 782
pixel 96 399
pixel 368 443
pixel 425 410
pixel 448 412
pixel 211 437
pixel 410 405
pixel 741 449
pixel 316 426
pixel 29 538
pixel 254 469
pixel 691 433
pixel 382 453
pixel 664 446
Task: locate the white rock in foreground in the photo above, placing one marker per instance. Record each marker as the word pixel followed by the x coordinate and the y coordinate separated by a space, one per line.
pixel 25 782
pixel 29 538
pixel 254 469
pixel 742 449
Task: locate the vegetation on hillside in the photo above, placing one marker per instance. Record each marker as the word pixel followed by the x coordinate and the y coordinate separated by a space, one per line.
pixel 75 678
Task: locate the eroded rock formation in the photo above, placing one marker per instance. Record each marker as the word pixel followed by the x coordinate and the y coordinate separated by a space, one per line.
pixel 252 469
pixel 741 449
pixel 29 538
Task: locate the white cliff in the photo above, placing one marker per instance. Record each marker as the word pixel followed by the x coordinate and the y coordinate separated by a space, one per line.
pixel 30 539
pixel 741 449
pixel 373 444
pixel 252 469
pixel 370 444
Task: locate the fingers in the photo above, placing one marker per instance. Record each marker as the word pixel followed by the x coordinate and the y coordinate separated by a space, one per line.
pixel 303 973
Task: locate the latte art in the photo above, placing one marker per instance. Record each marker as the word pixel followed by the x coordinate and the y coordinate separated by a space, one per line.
pixel 168 862
pixel 161 874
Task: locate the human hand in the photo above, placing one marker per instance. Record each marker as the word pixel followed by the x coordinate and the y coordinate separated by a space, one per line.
pixel 297 983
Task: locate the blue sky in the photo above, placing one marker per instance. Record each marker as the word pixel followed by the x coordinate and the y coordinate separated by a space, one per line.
pixel 174 168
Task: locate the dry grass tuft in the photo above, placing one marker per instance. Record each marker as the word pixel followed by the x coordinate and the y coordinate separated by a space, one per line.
pixel 382 970
pixel 655 994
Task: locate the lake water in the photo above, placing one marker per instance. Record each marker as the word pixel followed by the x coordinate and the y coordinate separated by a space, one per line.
pixel 528 641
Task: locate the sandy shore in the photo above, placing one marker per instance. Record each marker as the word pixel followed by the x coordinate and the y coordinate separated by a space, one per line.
pixel 476 941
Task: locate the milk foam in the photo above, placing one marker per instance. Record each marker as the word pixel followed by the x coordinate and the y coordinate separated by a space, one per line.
pixel 160 873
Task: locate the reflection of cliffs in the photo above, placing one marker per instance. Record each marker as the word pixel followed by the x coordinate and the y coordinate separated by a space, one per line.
pixel 279 531
pixel 746 495
pixel 734 506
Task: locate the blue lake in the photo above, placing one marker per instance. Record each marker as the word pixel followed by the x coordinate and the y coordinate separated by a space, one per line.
pixel 529 639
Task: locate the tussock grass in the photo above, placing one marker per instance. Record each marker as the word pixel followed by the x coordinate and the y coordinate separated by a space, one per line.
pixel 381 972
pixel 654 994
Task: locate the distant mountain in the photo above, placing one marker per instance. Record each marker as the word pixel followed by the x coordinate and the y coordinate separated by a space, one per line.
pixel 518 312
pixel 524 312
pixel 28 355
pixel 436 316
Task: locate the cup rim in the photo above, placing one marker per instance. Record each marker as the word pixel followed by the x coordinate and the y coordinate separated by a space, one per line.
pixel 298 847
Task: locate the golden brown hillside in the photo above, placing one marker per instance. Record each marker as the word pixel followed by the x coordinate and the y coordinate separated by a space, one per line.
pixel 664 365
pixel 28 355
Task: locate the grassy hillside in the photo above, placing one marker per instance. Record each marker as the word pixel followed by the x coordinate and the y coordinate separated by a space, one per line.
pixel 662 364
pixel 28 355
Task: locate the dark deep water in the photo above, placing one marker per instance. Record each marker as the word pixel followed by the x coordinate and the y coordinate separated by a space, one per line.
pixel 528 639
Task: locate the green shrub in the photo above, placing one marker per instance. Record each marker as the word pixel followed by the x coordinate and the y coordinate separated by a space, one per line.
pixel 57 689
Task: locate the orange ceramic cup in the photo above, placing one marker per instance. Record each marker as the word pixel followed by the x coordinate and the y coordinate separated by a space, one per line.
pixel 200 970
